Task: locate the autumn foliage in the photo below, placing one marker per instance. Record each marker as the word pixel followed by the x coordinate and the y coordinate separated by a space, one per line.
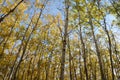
pixel 59 39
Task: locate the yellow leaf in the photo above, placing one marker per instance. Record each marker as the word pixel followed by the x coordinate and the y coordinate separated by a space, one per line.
pixel 77 0
pixel 22 7
pixel 1 1
pixel 5 9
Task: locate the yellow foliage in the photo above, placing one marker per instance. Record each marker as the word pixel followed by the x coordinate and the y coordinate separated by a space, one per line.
pixel 1 1
pixel 50 36
pixel 22 7
pixel 77 1
pixel 5 10
pixel 38 5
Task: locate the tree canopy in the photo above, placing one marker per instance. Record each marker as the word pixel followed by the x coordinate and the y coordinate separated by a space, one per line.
pixel 59 40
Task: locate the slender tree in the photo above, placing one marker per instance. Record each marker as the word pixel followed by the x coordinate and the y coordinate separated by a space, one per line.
pixel 64 42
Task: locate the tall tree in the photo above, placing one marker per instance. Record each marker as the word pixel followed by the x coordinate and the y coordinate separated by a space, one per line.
pixel 64 41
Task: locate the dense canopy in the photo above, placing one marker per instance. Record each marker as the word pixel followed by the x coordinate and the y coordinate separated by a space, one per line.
pixel 59 39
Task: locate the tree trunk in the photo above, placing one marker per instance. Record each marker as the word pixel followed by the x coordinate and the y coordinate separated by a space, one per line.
pixel 70 58
pixel 26 44
pixel 22 41
pixel 97 49
pixel 110 47
pixel 84 52
pixel 80 69
pixel 64 42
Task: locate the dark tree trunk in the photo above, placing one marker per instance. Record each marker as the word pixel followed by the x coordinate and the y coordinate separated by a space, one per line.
pixel 97 49
pixel 64 42
pixel 110 48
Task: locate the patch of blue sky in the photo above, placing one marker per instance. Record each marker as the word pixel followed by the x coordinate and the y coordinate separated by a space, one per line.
pixel 54 6
pixel 115 29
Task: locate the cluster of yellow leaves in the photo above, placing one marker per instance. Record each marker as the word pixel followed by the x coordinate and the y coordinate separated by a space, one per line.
pixel 0 49
pixel 77 1
pixel 22 7
pixel 38 4
pixel 5 9
pixel 1 1
pixel 6 60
